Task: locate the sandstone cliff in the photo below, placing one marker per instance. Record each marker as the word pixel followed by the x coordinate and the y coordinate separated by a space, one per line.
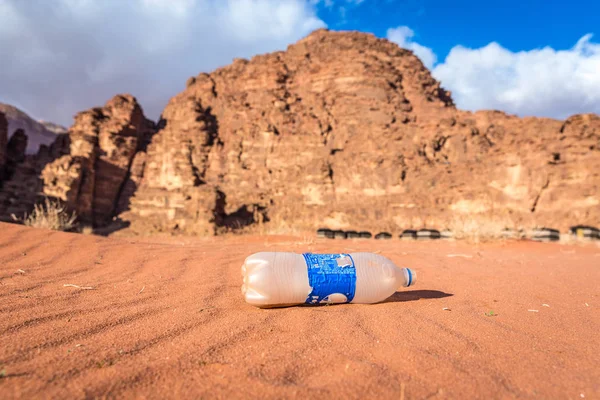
pixel 22 186
pixel 103 143
pixel 88 167
pixel 342 130
pixel 345 130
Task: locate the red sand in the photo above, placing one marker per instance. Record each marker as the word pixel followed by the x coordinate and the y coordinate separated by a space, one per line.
pixel 166 319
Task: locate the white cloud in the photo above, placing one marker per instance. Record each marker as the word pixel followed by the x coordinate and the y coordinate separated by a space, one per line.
pixel 331 3
pixel 539 82
pixel 403 36
pixel 63 56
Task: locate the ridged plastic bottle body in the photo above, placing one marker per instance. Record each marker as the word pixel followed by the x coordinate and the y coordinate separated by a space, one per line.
pixel 275 279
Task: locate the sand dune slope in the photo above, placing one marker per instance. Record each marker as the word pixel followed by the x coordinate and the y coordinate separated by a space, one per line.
pixel 165 319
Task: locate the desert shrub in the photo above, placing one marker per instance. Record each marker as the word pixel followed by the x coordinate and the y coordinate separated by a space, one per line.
pixel 50 214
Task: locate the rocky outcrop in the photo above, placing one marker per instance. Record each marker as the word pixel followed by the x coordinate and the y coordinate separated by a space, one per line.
pixel 103 143
pixel 341 131
pixel 16 147
pixel 14 153
pixel 3 143
pixel 38 132
pixel 348 131
pixel 25 186
pixel 87 168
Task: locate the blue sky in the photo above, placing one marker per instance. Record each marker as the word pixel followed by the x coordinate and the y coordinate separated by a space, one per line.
pixel 529 57
pixel 441 25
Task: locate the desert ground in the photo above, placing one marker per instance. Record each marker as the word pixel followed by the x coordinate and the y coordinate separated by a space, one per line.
pixel 83 316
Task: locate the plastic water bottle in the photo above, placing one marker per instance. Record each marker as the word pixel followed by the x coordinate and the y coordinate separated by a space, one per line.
pixel 278 279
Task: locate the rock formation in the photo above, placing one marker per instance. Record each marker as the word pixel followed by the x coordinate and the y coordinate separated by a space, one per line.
pixel 344 130
pixel 103 143
pixel 15 152
pixel 3 143
pixel 38 132
pixel 16 147
pixel 88 168
pixel 25 187
pixel 341 131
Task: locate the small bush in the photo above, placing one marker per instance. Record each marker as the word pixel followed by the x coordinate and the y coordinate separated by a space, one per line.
pixel 49 215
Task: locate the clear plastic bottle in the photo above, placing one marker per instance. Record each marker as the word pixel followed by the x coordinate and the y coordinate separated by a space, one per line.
pixel 278 279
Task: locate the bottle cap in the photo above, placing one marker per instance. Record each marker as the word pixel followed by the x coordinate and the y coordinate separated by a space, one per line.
pixel 411 277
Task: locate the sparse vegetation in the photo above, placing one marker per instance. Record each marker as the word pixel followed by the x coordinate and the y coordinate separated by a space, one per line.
pixel 87 230
pixel 50 214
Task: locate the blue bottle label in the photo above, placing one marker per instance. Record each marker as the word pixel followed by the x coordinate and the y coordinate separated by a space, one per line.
pixel 332 278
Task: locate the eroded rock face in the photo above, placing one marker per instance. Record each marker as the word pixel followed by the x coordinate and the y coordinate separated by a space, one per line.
pixel 3 143
pixel 16 147
pixel 344 130
pixel 25 187
pixel 88 167
pixel 14 153
pixel 103 143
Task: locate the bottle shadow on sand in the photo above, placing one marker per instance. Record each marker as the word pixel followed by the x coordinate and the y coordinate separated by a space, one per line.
pixel 412 295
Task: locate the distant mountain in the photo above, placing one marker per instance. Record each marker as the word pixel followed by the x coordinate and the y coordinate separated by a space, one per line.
pixel 38 132
pixel 52 127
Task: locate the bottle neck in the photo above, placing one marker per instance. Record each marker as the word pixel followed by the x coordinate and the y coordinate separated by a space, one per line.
pixel 409 277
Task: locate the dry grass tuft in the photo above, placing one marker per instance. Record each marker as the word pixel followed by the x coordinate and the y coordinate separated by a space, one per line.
pixel 49 215
pixel 87 230
pixel 78 287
